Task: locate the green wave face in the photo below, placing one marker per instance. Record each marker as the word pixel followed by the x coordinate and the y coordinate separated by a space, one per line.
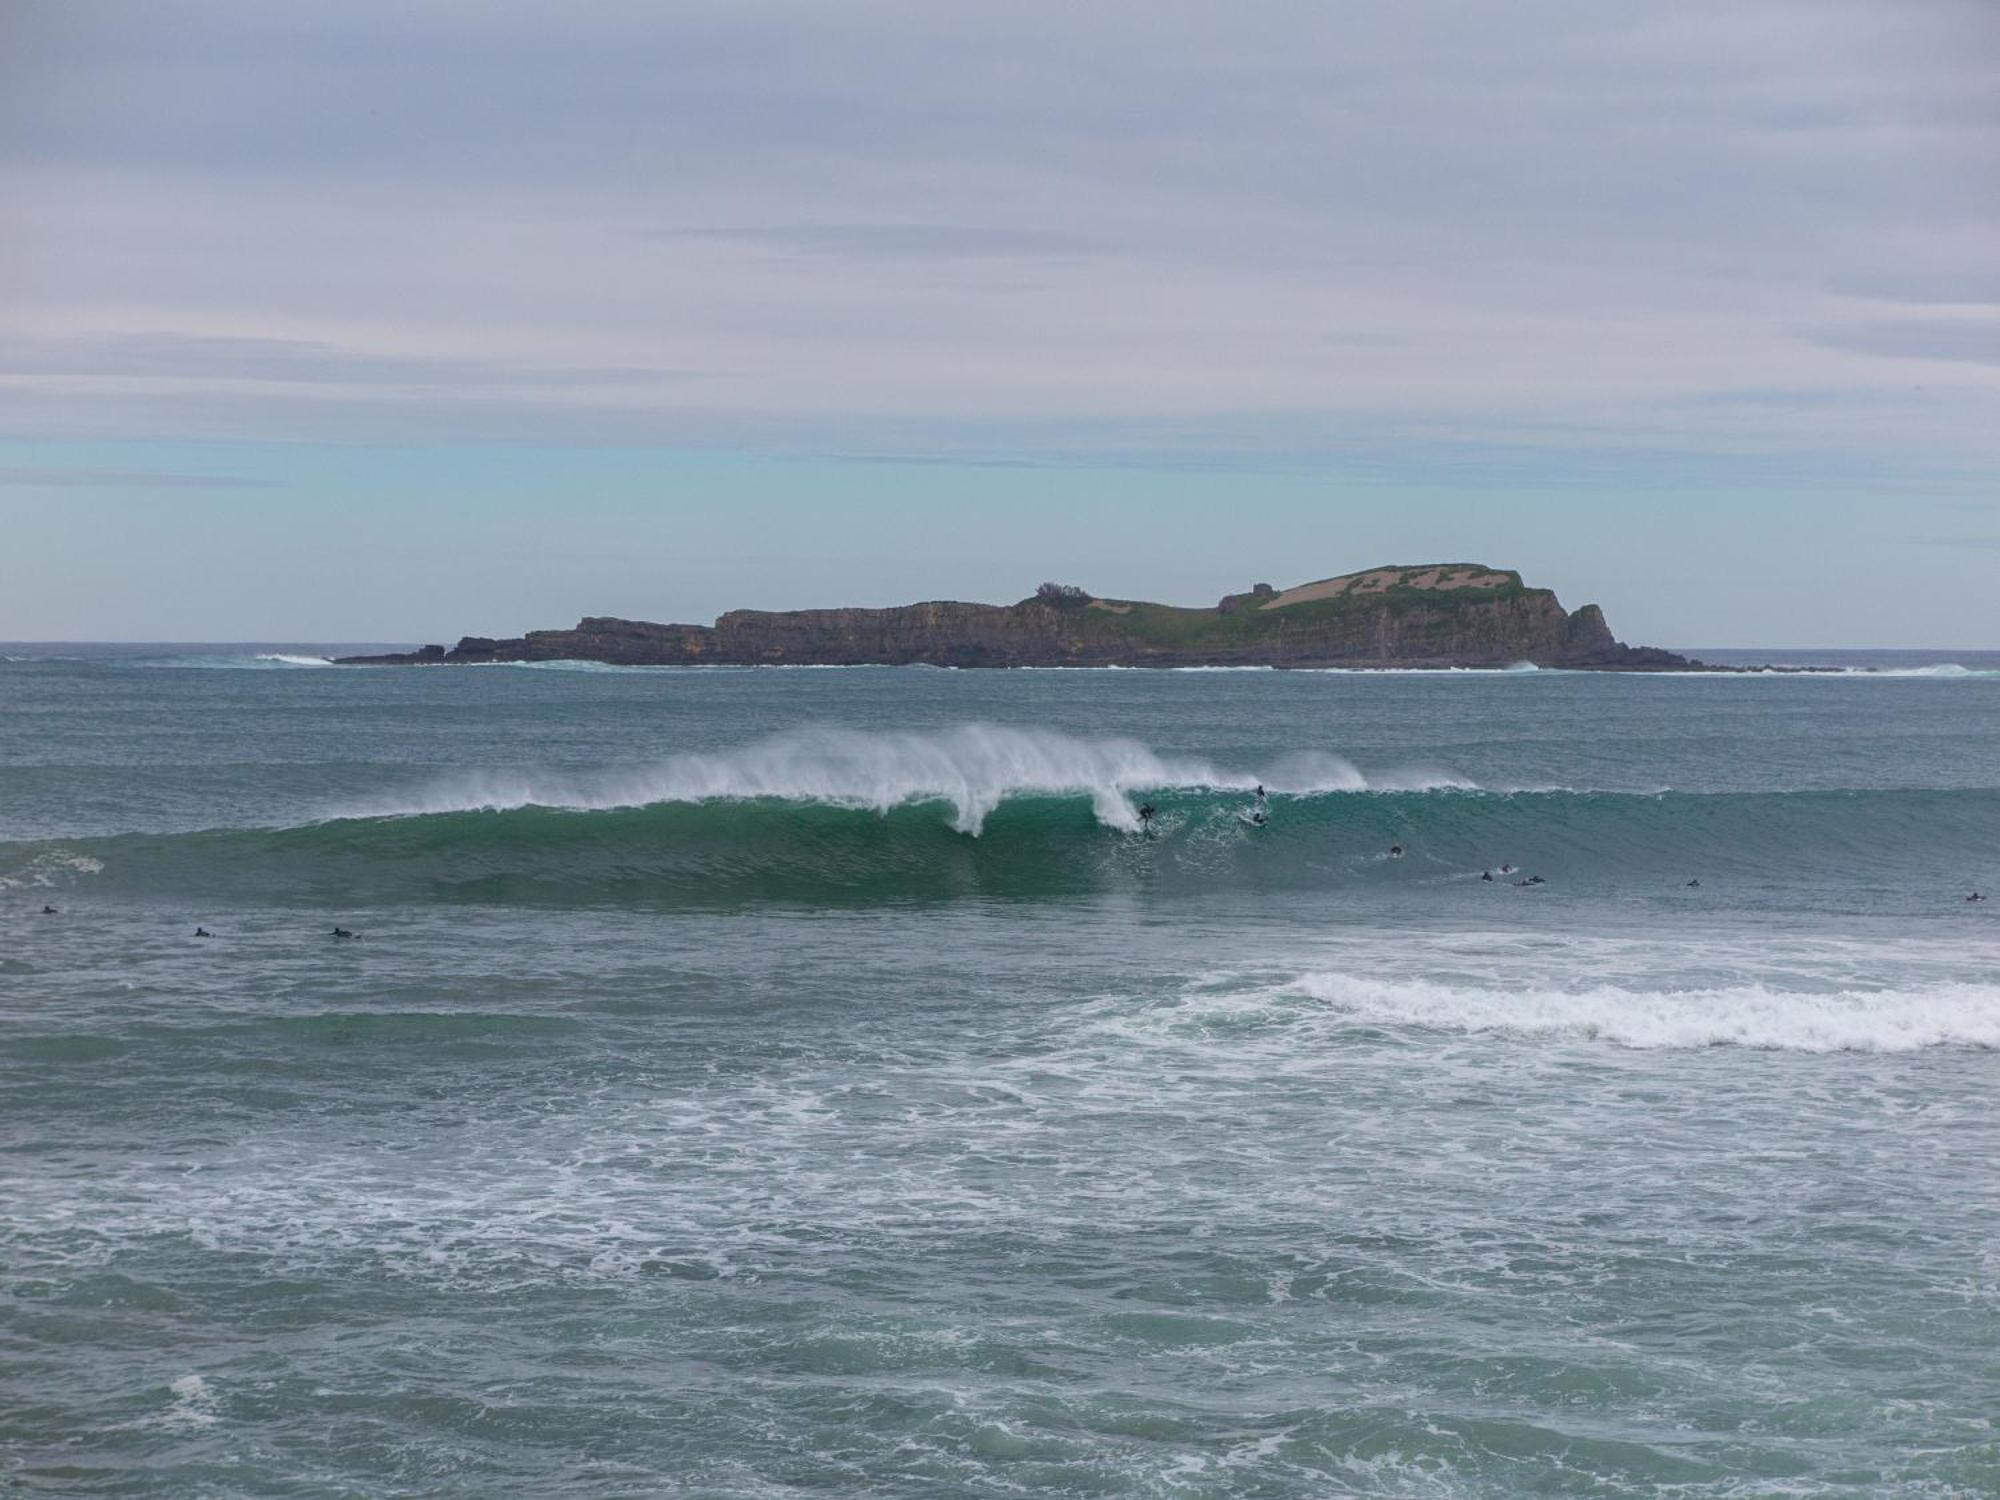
pixel 1031 847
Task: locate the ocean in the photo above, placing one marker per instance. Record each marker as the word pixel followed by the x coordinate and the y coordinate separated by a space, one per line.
pixel 766 1082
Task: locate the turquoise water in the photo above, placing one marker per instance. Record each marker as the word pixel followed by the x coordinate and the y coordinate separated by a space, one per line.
pixel 755 1083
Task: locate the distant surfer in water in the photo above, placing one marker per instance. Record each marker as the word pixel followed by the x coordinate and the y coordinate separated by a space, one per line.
pixel 342 932
pixel 1487 876
pixel 1532 880
pixel 203 932
pixel 1147 812
pixel 1975 896
pixel 1260 791
pixel 50 911
pixel 1506 869
pixel 1395 851
pixel 1694 885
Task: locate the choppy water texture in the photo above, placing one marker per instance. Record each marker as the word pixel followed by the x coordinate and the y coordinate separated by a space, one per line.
pixel 752 1083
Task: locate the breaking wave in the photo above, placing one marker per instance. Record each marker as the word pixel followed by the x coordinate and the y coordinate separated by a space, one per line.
pixel 254 661
pixel 1749 1015
pixel 971 769
pixel 984 811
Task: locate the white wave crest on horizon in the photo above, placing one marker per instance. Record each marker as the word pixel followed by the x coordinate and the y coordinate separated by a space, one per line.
pixel 1938 669
pixel 1749 1015
pixel 584 664
pixel 259 661
pixel 1810 673
pixel 973 767
pixel 566 664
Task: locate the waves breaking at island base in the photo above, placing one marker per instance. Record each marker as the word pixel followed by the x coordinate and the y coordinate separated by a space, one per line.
pixel 1778 667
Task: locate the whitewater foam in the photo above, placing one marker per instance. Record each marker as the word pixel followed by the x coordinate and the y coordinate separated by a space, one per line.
pixel 258 661
pixel 973 768
pixel 1746 1015
pixel 193 1403
pixel 1939 669
pixel 570 664
pixel 51 867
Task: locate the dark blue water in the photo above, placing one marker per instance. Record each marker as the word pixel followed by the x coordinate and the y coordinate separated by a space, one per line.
pixel 769 1082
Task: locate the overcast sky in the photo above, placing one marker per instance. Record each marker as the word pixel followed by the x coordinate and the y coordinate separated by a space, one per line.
pixel 394 321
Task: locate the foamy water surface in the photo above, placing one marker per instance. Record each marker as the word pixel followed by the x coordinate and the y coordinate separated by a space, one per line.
pixel 756 1084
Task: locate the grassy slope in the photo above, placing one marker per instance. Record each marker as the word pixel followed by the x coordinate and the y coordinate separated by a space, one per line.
pixel 1166 625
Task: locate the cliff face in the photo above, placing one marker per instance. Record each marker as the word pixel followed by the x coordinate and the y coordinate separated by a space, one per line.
pixel 1445 615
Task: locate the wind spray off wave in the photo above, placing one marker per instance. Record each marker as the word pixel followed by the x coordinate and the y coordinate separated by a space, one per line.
pixel 973 768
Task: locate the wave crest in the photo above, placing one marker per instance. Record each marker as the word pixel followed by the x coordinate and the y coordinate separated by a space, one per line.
pixel 1748 1015
pixel 974 768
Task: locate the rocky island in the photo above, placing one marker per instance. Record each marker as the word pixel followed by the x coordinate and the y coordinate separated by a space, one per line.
pixel 1437 615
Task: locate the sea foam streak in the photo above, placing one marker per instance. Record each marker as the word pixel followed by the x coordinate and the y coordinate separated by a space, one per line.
pixel 973 767
pixel 1746 1015
pixel 260 661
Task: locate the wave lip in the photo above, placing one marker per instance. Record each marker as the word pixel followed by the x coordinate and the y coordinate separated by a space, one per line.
pixel 1747 1015
pixel 973 768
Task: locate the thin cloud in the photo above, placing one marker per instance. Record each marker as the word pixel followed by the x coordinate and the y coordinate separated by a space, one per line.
pixel 895 241
pixel 184 356
pixel 801 228
pixel 1967 343
pixel 1979 288
pixel 129 479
